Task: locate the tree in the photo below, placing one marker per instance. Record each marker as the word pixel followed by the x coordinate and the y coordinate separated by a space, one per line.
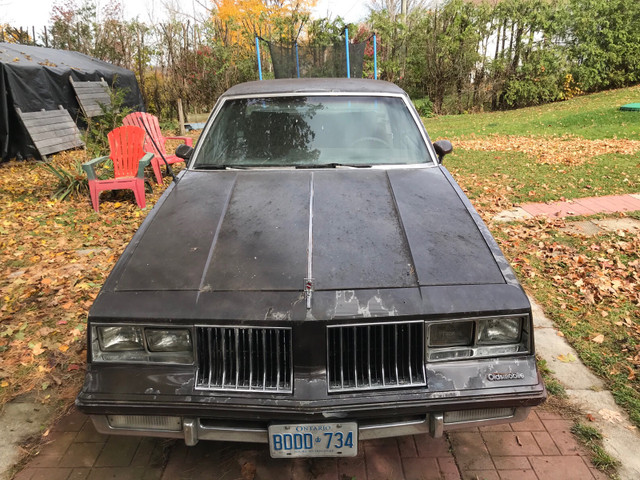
pixel 603 37
pixel 11 34
pixel 443 51
pixel 279 20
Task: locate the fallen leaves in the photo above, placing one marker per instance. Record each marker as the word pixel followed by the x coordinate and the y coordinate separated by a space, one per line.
pixel 592 271
pixel 611 416
pixel 564 150
pixel 54 256
pixel 590 286
pixel 37 349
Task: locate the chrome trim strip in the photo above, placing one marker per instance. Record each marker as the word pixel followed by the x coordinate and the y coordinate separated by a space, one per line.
pixel 373 324
pixel 308 282
pixel 397 429
pixel 236 334
pixel 264 355
pixel 341 359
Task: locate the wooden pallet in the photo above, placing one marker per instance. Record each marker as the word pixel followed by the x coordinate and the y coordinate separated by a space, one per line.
pixel 51 130
pixel 90 95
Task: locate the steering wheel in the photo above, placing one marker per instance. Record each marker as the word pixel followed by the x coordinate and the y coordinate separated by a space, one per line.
pixel 377 140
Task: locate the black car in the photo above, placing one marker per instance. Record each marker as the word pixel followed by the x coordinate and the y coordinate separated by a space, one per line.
pixel 315 277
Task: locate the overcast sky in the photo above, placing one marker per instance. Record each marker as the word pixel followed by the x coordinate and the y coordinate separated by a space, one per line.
pixel 28 13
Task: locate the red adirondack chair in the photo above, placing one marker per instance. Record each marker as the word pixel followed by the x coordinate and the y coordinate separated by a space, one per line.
pixel 129 160
pixel 142 119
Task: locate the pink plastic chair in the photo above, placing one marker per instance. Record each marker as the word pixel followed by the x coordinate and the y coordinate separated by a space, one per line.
pixel 129 160
pixel 142 120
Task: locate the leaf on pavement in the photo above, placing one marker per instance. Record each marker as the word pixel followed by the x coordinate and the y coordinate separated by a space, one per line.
pixel 568 358
pixel 610 415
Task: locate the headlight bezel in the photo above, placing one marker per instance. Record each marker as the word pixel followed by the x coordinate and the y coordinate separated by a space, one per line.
pixel 478 348
pixel 144 354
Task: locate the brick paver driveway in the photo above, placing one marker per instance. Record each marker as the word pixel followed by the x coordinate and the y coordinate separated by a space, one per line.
pixel 542 448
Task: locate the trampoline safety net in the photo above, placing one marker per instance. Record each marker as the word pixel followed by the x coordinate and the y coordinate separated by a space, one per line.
pixel 316 61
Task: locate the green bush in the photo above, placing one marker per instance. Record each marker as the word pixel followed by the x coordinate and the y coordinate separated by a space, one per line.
pixel 424 106
pixel 541 79
pixel 99 127
pixel 71 182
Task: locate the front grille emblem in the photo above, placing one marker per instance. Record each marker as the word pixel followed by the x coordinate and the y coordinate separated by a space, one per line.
pixel 308 291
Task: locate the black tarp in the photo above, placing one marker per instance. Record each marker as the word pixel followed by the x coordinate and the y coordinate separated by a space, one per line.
pixel 36 78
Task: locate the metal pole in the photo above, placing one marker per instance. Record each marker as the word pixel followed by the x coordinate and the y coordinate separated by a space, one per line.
pixel 259 62
pixel 375 58
pixel 346 46
pixel 297 61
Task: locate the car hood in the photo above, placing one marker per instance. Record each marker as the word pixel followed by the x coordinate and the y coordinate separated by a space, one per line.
pixel 347 229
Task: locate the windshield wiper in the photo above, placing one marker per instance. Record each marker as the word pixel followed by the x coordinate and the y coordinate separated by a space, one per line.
pixel 221 167
pixel 210 167
pixel 333 165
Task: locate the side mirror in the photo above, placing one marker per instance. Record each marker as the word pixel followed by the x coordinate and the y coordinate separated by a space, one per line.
pixel 443 147
pixel 184 151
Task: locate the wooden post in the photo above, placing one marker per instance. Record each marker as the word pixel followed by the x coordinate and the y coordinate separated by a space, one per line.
pixel 181 117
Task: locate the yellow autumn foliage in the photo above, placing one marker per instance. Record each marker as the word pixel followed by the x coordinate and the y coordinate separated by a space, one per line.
pixel 270 19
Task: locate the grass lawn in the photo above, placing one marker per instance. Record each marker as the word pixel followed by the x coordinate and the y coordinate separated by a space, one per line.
pixel 518 178
pixel 589 286
pixel 594 116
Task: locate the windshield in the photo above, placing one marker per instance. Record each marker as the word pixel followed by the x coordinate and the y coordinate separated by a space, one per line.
pixel 312 131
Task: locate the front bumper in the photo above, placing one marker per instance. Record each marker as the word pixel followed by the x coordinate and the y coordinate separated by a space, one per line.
pixel 195 429
pixel 238 421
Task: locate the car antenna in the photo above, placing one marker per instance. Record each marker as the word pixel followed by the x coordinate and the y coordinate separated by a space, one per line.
pixel 169 169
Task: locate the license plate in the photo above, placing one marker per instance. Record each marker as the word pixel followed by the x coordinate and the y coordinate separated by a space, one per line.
pixel 314 440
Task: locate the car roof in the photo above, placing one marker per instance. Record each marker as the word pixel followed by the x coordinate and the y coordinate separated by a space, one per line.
pixel 298 85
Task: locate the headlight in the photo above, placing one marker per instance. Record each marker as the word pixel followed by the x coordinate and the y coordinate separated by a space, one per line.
pixel 140 344
pixel 120 339
pixel 168 340
pixel 451 334
pixel 499 331
pixel 477 338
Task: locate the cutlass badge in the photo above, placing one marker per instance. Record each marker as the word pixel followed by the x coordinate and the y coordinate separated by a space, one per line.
pixel 496 377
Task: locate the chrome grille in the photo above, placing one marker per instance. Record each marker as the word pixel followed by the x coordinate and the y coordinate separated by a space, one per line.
pixel 244 359
pixel 375 356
